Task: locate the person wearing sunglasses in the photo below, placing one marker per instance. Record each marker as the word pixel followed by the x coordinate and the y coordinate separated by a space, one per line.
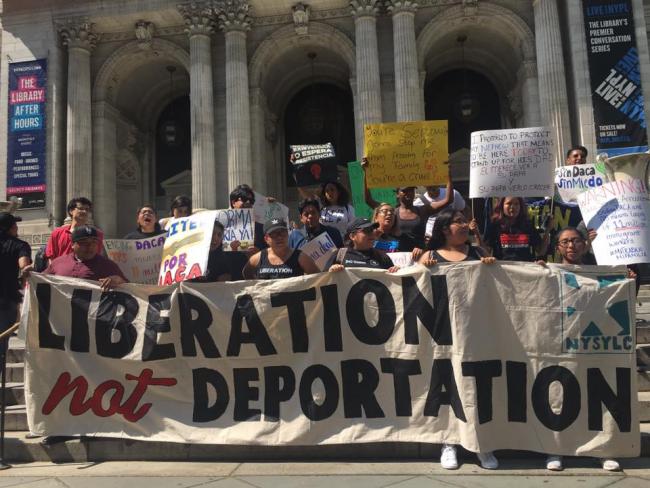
pixel 243 196
pixel 360 252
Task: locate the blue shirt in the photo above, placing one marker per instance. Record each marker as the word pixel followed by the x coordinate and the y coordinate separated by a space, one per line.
pixel 300 237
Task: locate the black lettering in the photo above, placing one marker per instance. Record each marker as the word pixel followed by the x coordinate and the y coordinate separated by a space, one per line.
pixel 401 369
pixel 279 386
pixel 570 398
pixel 245 393
pixel 195 329
pixel 109 321
pixel 155 324
pixel 382 331
pixel 517 383
pixel 295 303
pixel 618 404
pixel 245 309
pixel 360 380
pixel 331 318
pixel 46 336
pixel 80 336
pixel 311 409
pixel 442 375
pixel 202 411
pixel 483 371
pixel 434 318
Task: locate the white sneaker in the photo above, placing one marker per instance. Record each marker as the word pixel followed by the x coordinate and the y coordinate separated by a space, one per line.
pixel 448 459
pixel 554 463
pixel 487 460
pixel 610 465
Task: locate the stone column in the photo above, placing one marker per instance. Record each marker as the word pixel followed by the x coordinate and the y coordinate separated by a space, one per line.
pixel 408 98
pixel 199 27
pixel 80 40
pixel 263 180
pixel 527 76
pixel 368 86
pixel 553 100
pixel 234 22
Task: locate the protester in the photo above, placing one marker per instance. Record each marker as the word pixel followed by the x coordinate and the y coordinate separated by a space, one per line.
pixel 181 206
pixel 511 236
pixel 148 225
pixel 278 260
pixel 243 196
pixel 336 210
pixel 15 260
pixel 309 210
pixel 360 252
pixel 85 262
pixel 449 243
pixel 576 155
pixel 60 242
pixel 411 220
pixel 222 266
pixel 436 194
pixel 572 246
pixel 387 234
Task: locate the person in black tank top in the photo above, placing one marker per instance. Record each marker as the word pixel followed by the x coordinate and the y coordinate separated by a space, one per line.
pixel 278 260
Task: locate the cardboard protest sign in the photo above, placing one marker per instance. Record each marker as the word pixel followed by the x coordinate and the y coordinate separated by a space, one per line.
pixel 406 153
pixel 570 181
pixel 187 246
pixel 512 162
pixel 264 210
pixel 351 357
pixel 620 213
pixel 320 249
pixel 314 164
pixel 238 226
pixel 138 259
pixel 401 259
pixel 361 209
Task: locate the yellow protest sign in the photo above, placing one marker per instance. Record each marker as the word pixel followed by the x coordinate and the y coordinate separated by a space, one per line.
pixel 406 153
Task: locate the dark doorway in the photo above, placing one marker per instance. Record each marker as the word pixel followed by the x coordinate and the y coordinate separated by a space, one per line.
pixel 452 94
pixel 173 141
pixel 318 114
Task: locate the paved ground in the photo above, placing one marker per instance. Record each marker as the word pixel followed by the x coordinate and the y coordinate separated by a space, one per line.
pixel 581 473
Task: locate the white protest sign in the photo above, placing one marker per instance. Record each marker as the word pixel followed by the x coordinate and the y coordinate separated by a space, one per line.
pixel 320 249
pixel 138 259
pixel 238 226
pixel 186 250
pixel 573 180
pixel 619 213
pixel 264 210
pixel 401 259
pixel 512 162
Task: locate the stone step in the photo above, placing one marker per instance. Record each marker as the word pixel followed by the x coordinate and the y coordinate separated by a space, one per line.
pixel 15 418
pixel 643 334
pixel 643 381
pixel 15 394
pixel 15 373
pixel 644 406
pixel 16 353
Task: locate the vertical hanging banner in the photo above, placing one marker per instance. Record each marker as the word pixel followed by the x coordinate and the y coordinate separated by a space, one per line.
pixel 613 58
pixel 26 132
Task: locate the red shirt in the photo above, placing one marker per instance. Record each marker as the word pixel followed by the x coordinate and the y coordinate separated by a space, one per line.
pixel 60 242
pixel 93 269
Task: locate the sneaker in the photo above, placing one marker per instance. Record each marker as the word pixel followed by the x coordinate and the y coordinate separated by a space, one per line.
pixel 554 463
pixel 448 458
pixel 487 460
pixel 610 465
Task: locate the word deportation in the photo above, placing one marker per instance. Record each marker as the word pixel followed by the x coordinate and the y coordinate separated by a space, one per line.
pixel 352 382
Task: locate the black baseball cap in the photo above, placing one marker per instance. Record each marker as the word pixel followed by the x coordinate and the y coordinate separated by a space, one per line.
pixel 7 220
pixel 84 232
pixel 360 224
pixel 274 224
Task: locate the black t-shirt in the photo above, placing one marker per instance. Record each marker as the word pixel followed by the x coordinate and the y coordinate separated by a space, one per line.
pixel 473 254
pixel 138 234
pixel 372 258
pixel 221 262
pixel 11 249
pixel 514 243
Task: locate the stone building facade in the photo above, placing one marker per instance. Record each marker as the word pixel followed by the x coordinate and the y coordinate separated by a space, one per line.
pixel 242 79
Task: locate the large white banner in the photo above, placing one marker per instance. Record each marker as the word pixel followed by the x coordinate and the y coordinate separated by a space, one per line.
pixel 138 259
pixel 512 162
pixel 504 356
pixel 620 214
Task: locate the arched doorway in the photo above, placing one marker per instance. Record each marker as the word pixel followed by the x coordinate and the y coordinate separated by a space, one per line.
pixel 319 114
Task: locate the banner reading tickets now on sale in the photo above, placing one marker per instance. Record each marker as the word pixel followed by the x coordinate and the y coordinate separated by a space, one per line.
pixel 441 355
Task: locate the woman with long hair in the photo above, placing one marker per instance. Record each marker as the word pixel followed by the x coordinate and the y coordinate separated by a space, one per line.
pixel 387 236
pixel 511 235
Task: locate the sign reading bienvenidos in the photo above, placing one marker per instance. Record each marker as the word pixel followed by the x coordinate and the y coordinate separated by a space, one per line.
pixel 613 58
pixel 301 361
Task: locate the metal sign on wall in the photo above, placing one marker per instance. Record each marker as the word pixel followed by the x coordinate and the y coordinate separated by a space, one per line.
pixel 26 132
pixel 613 58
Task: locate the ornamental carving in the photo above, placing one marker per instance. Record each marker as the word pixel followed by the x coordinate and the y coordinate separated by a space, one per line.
pixel 78 33
pixel 364 8
pixel 470 8
pixel 198 18
pixel 144 33
pixel 233 15
pixel 528 69
pixel 301 18
pixel 398 6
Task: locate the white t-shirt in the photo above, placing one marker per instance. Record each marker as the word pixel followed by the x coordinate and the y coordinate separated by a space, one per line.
pixel 337 216
pixel 426 199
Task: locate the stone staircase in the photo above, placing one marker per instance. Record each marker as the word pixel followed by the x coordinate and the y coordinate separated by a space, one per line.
pixel 21 448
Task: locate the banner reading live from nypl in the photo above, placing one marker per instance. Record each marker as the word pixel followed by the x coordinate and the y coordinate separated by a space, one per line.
pixel 613 58
pixel 503 356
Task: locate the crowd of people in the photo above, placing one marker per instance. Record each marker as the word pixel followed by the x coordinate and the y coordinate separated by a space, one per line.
pixel 435 227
